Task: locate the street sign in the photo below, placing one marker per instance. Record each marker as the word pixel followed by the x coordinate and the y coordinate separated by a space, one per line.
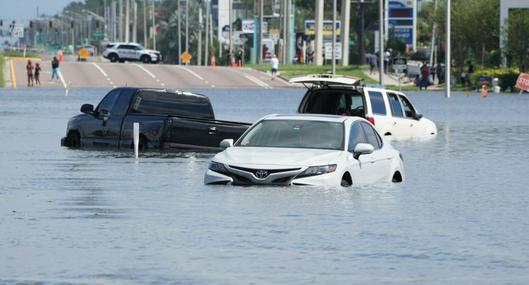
pixel 400 64
pixel 18 31
pixel 186 57
pixel 337 51
pixel 248 27
pixel 523 82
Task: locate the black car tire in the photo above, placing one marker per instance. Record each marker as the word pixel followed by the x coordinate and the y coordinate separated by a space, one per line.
pixel 113 57
pixel 145 59
pixel 74 140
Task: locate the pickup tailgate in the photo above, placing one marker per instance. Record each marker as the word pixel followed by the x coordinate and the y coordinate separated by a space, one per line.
pixel 200 134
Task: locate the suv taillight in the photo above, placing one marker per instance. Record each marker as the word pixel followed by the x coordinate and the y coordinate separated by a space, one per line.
pixel 371 120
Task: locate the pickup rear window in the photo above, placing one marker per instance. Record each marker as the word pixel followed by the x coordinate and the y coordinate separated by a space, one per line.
pixel 171 104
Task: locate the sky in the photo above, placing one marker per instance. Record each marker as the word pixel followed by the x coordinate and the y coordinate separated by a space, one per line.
pixel 22 10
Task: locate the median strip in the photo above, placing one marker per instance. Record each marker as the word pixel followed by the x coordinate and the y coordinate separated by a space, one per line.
pixel 13 77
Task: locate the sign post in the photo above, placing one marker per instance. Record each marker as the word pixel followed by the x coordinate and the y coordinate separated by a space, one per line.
pixel 400 64
pixel 523 82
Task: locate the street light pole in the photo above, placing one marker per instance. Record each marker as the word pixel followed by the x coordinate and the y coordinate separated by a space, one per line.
pixel 381 43
pixel 145 23
pixel 187 25
pixel 178 18
pixel 448 52
pixel 153 28
pixel 333 54
pixel 261 20
pixel 206 48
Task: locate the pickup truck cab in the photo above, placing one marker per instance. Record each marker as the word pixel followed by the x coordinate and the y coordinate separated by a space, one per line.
pixel 168 120
pixel 391 112
pixel 131 52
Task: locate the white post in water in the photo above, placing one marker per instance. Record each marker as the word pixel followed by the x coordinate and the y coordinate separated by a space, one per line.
pixel 448 62
pixel 136 138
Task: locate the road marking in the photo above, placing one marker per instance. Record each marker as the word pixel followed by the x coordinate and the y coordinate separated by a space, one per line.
pixel 258 82
pixel 146 71
pixel 191 71
pixel 100 69
pixel 13 77
pixel 62 80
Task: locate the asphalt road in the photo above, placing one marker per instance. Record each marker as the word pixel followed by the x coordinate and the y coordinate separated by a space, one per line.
pixel 106 74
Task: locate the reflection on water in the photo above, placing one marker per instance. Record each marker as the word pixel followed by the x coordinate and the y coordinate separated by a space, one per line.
pixel 101 217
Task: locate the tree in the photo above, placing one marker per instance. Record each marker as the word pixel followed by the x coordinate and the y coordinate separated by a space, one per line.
pixel 517 49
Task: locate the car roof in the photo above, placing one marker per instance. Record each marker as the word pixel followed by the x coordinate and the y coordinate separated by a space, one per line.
pixel 311 117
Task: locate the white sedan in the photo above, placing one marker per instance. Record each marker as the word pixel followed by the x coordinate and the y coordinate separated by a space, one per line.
pixel 307 150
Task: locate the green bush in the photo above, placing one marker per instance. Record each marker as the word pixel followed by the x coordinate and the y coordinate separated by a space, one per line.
pixel 507 76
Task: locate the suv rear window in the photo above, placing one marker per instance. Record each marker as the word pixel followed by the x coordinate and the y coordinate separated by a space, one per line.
pixel 335 102
pixel 377 102
pixel 171 104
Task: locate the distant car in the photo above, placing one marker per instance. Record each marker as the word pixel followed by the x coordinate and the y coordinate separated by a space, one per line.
pixel 131 52
pixel 307 150
pixel 391 112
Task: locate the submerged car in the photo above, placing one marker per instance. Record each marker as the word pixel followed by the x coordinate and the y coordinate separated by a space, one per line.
pixel 307 150
pixel 391 112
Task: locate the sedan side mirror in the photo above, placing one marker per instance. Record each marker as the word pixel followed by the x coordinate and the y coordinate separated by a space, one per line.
pixel 417 116
pixel 362 148
pixel 226 143
pixel 87 109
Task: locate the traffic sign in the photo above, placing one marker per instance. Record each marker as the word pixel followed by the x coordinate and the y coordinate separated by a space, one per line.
pixel 400 64
pixel 186 57
pixel 18 31
pixel 337 51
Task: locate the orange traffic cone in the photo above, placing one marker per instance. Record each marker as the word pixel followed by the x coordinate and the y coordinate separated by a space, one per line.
pixel 213 61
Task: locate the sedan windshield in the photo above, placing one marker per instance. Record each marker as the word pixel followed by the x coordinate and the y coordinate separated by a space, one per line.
pixel 295 134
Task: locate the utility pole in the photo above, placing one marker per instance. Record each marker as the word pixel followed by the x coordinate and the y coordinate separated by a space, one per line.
pixel 114 22
pixel 230 51
pixel 346 15
pixel 283 20
pixel 434 31
pixel 153 28
pixel 381 42
pixel 145 23
pixel 206 48
pixel 448 60
pixel 361 39
pixel 178 18
pixel 127 21
pixel 333 54
pixel 135 22
pixel 187 25
pixel 199 57
pixel 120 26
pixel 261 20
pixel 319 32
pixel 288 41
pixel 414 34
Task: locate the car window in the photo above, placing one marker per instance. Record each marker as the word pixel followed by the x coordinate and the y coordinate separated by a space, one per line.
pixel 372 137
pixel 357 106
pixel 123 47
pixel 108 102
pixel 377 102
pixel 394 103
pixel 356 136
pixel 408 107
pixel 335 102
pixel 166 103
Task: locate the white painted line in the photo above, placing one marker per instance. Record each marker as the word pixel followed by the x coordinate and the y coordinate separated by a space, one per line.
pixel 146 71
pixel 62 80
pixel 191 71
pixel 258 82
pixel 100 69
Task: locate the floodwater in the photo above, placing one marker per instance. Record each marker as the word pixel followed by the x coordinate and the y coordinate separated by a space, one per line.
pixel 93 217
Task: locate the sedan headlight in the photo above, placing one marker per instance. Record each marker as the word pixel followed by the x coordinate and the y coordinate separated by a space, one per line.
pixel 217 167
pixel 318 170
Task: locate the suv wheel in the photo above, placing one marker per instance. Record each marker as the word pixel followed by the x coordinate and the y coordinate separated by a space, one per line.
pixel 113 57
pixel 145 59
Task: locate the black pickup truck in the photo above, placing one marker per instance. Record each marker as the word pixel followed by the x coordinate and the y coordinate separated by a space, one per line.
pixel 168 120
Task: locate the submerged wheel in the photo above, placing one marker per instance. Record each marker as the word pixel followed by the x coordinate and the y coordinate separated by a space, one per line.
pixel 113 57
pixel 74 140
pixel 346 180
pixel 146 59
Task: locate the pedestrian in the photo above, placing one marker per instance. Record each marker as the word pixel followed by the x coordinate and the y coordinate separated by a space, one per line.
pixel 37 73
pixel 275 65
pixel 484 91
pixel 55 68
pixel 310 54
pixel 387 56
pixel 425 76
pixel 372 61
pixel 239 56
pixel 470 71
pixel 228 57
pixel 29 70
pixel 440 73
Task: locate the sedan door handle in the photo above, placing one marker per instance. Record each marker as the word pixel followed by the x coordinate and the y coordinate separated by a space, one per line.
pixel 212 130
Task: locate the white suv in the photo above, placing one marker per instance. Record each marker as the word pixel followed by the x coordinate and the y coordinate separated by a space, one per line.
pixel 131 52
pixel 391 112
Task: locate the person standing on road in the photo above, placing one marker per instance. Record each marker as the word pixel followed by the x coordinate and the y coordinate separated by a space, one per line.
pixel 55 68
pixel 37 73
pixel 275 65
pixel 29 70
pixel 425 76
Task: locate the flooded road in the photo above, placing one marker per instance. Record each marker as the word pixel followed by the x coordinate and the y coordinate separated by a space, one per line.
pixel 95 217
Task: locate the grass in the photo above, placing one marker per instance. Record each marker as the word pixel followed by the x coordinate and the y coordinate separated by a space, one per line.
pixel 1 70
pixel 289 71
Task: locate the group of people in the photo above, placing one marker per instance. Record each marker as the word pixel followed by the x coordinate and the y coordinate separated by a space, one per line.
pixel 33 71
